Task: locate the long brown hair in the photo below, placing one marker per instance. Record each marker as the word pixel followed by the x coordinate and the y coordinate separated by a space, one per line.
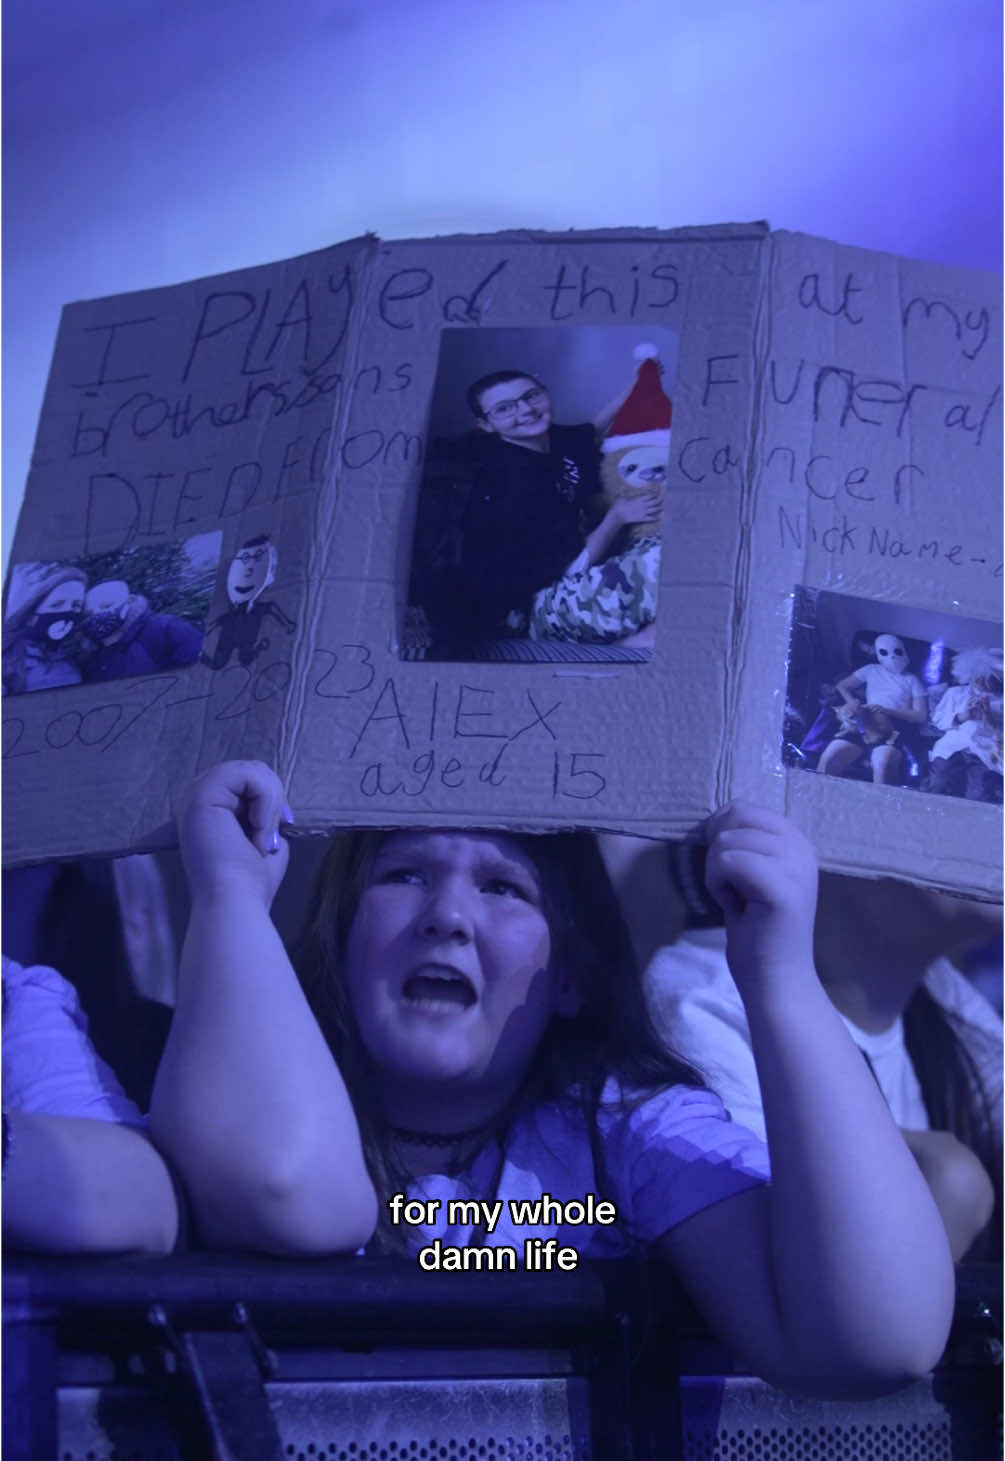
pixel 611 1035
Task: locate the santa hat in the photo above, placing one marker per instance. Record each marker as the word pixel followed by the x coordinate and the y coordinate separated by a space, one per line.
pixel 644 418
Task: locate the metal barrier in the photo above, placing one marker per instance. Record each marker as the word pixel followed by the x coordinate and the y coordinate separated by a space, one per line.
pixel 244 1359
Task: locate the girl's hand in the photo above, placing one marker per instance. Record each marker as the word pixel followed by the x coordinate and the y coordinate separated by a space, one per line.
pixel 763 874
pixel 229 831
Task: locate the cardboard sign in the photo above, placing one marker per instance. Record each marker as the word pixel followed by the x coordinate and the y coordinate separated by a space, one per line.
pixel 530 531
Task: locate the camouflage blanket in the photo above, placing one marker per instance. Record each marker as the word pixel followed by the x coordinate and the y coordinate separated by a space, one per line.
pixel 602 603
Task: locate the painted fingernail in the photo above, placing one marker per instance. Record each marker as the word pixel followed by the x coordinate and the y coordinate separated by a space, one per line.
pixel 274 842
pixel 288 814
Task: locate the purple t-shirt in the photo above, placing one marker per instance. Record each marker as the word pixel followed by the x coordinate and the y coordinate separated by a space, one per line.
pixel 50 1066
pixel 674 1155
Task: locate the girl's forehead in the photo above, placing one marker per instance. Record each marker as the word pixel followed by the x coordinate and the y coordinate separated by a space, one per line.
pixel 450 846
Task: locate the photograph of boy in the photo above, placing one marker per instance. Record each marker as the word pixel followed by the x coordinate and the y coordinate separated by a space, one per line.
pixel 535 530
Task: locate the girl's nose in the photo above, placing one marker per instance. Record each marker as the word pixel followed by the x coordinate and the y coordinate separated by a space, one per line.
pixel 447 914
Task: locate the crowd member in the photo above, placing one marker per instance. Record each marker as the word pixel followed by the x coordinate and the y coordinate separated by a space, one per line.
pixel 34 654
pixel 884 951
pixel 79 1173
pixel 471 1024
pixel 106 924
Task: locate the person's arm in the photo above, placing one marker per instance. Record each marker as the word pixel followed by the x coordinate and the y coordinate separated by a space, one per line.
pixel 273 609
pixel 962 1189
pixel 836 1278
pixel 982 707
pixel 78 1185
pixel 696 1003
pixel 846 689
pixel 248 1102
pixel 603 418
pixel 606 414
pixel 623 511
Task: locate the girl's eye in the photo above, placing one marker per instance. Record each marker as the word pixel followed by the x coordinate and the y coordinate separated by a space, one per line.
pixel 507 888
pixel 398 875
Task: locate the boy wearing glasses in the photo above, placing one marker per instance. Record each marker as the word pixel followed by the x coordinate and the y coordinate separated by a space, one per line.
pixel 534 510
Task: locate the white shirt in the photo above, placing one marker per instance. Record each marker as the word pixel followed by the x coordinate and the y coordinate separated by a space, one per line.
pixel 697 1008
pixel 888 688
pixel 975 736
pixel 49 1063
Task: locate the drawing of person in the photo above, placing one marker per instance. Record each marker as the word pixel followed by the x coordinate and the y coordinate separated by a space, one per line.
pixel 34 656
pixel 252 570
pixel 130 639
pixel 878 701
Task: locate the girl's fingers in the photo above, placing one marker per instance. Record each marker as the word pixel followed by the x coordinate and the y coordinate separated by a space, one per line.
pixel 250 791
pixel 758 855
pixel 752 876
pixel 748 839
pixel 721 889
pixel 746 814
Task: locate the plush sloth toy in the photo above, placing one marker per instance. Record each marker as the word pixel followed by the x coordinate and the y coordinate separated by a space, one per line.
pixel 636 447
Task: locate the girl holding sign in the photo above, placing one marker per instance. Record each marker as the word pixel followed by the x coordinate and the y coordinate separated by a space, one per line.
pixel 469 1024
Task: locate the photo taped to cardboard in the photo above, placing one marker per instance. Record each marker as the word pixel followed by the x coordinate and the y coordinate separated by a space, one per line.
pixel 538 527
pixel 895 696
pixel 108 616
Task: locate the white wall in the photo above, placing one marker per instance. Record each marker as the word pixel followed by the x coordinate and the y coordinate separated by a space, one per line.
pixel 151 141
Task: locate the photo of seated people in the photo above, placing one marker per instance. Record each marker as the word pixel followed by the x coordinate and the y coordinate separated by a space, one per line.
pixel 539 517
pixel 108 616
pixel 895 696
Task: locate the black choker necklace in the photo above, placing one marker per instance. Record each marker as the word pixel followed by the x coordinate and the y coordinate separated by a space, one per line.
pixel 436 1138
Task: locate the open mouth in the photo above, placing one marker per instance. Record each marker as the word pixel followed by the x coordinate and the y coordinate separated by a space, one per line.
pixel 439 989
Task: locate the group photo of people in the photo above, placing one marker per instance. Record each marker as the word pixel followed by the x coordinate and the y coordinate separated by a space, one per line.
pixel 895 696
pixel 108 616
pixel 539 520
